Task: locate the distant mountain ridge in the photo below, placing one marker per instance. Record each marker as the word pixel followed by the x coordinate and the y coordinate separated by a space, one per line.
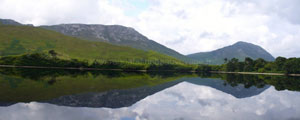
pixel 239 50
pixel 126 36
pixel 113 34
pixel 11 22
pixel 238 91
pixel 23 39
pixel 117 35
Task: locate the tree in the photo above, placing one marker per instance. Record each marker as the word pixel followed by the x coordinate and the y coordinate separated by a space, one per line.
pixel 292 66
pixel 248 60
pixel 232 65
pixel 225 60
pixel 248 67
pixel 259 63
pixel 279 63
pixel 52 53
pixel 240 66
pixel 268 67
pixel 204 68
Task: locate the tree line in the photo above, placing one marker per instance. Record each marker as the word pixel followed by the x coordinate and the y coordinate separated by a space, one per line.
pixel 280 65
pixel 51 59
pixel 260 81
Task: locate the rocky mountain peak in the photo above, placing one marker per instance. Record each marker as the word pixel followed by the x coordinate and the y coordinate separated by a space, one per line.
pixel 115 34
pixel 111 33
pixel 9 22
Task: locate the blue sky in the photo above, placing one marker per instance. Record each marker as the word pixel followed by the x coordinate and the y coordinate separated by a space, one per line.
pixel 138 6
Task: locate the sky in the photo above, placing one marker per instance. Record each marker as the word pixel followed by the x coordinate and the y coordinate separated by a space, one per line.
pixel 187 26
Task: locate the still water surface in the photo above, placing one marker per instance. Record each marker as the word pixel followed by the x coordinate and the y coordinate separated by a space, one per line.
pixel 80 95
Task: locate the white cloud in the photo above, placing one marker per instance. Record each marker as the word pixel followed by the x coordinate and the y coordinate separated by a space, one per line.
pixel 175 103
pixel 181 24
pixel 40 12
pixel 187 26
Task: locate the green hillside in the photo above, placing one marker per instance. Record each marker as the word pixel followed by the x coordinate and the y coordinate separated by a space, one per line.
pixel 17 40
pixel 117 35
pixel 239 50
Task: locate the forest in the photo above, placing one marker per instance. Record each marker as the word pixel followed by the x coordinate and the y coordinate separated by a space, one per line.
pixel 280 65
pixel 51 59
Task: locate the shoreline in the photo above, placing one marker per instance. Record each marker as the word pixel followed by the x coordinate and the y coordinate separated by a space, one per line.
pixel 73 68
pixel 63 68
pixel 255 73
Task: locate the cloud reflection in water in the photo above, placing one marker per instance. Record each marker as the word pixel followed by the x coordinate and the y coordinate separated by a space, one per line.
pixel 182 101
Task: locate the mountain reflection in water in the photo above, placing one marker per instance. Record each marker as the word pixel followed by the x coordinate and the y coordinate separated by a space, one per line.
pixel 65 95
pixel 182 101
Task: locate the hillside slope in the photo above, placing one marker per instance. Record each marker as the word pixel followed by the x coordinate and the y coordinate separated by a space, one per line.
pixel 12 22
pixel 239 50
pixel 9 22
pixel 116 34
pixel 16 40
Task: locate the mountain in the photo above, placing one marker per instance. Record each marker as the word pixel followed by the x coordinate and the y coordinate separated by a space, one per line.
pixel 117 35
pixel 110 99
pixel 11 22
pixel 16 40
pixel 128 97
pixel 239 50
pixel 238 91
pixel 82 88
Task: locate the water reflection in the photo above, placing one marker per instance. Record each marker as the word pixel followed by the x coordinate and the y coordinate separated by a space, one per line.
pixel 36 85
pixel 178 102
pixel 239 90
pixel 110 95
pixel 113 98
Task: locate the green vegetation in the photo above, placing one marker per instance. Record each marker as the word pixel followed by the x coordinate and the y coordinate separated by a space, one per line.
pixel 31 46
pixel 50 59
pixel 114 34
pixel 259 81
pixel 25 85
pixel 239 50
pixel 19 40
pixel 280 65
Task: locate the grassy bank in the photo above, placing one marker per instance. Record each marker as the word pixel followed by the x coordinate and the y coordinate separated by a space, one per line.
pixel 50 60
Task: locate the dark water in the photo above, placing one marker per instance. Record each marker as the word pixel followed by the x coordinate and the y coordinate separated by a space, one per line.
pixel 35 94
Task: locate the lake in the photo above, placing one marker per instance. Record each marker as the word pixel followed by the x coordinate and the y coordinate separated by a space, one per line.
pixel 39 94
